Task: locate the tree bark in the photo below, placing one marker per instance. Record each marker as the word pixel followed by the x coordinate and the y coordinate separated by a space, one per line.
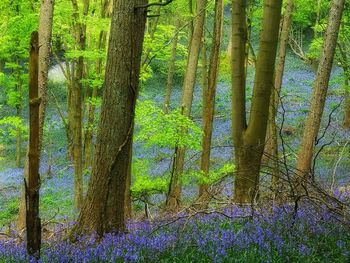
pixel 345 64
pixel 209 106
pixel 76 118
pixel 249 140
pixel 104 207
pixel 174 194
pixel 320 87
pixel 271 140
pixel 32 183
pixel 45 34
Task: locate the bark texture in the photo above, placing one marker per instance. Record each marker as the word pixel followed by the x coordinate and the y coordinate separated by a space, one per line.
pixel 249 140
pixel 75 119
pixel 209 105
pixel 320 87
pixel 271 140
pixel 32 183
pixel 45 34
pixel 174 194
pixel 104 206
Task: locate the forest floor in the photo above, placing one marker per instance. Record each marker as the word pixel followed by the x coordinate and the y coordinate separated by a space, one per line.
pixel 203 238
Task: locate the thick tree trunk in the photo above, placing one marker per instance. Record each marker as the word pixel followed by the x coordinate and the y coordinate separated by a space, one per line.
pixel 174 194
pixel 249 140
pixel 104 207
pixel 271 140
pixel 32 183
pixel 171 68
pixel 209 106
pixel 320 88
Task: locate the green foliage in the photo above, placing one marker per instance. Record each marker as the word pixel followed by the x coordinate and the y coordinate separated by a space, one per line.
pixel 155 128
pixel 215 175
pixel 145 185
pixel 9 126
pixel 10 211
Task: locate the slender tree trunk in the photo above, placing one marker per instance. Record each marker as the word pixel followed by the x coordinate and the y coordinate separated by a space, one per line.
pixel 18 114
pixel 320 88
pixel 204 69
pixel 343 58
pixel 271 140
pixel 249 140
pixel 171 68
pixel 18 140
pixel 229 47
pixel 209 106
pixel 45 34
pixel 32 183
pixel 104 207
pixel 88 145
pixel 76 108
pixel 174 194
pixel 191 23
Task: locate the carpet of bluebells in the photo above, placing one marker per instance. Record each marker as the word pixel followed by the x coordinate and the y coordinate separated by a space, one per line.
pixel 234 234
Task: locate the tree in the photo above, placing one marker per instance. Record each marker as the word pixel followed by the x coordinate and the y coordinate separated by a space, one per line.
pixel 249 139
pixel 272 144
pixel 320 87
pixel 209 106
pixel 45 34
pixel 32 182
pixel 75 108
pixel 104 206
pixel 173 197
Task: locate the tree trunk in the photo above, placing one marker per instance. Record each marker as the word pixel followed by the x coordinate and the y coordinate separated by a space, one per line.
pixel 45 34
pixel 104 207
pixel 76 119
pixel 32 183
pixel 171 68
pixel 18 140
pixel 209 106
pixel 320 88
pixel 204 75
pixel 271 140
pixel 174 194
pixel 249 140
pixel 345 64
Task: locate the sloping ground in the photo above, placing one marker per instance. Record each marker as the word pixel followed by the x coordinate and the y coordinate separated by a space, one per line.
pixel 57 189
